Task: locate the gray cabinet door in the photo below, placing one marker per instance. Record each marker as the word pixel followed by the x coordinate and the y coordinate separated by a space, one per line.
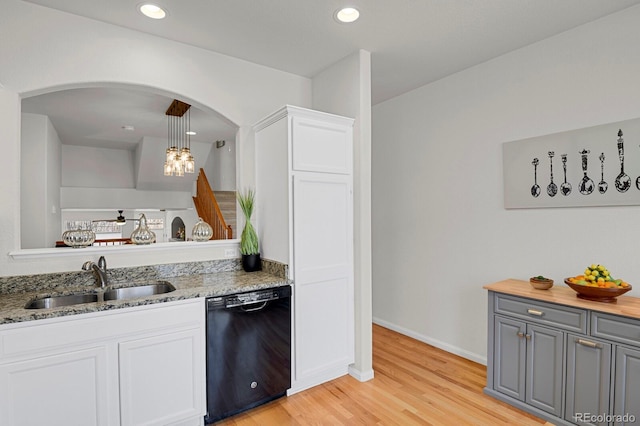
pixel 509 357
pixel 588 380
pixel 626 403
pixel 545 353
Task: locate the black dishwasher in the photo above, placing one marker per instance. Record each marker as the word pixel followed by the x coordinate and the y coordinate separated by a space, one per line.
pixel 248 350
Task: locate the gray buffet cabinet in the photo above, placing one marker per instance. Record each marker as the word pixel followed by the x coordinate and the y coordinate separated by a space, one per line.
pixel 562 358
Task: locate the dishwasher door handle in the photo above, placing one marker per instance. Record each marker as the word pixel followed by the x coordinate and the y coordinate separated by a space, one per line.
pixel 244 308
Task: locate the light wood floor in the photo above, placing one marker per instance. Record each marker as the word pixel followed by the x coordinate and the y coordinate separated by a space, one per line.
pixel 414 384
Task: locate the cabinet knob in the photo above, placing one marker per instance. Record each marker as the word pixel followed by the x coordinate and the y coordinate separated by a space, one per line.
pixel 520 334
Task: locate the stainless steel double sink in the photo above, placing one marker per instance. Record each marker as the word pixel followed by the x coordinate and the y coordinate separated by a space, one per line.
pixel 122 293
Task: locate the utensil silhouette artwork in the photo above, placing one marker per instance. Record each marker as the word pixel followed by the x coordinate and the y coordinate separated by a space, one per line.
pixel 565 188
pixel 552 188
pixel 603 186
pixel 638 182
pixel 535 189
pixel 623 182
pixel 586 184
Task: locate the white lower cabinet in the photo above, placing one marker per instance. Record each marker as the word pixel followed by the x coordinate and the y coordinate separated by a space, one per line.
pixel 63 389
pixel 159 382
pixel 136 366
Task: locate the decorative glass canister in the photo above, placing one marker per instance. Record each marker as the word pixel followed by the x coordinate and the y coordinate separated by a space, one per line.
pixel 201 231
pixel 142 234
pixel 78 238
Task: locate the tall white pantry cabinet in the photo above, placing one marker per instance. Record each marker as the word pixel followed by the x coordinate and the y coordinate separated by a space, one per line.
pixel 304 218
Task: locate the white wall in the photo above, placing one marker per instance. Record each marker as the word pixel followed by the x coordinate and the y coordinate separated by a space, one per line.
pixel 345 89
pixel 90 167
pixel 54 177
pixel 52 50
pixel 33 198
pixel 114 199
pixel 440 229
pixel 40 183
pixel 221 167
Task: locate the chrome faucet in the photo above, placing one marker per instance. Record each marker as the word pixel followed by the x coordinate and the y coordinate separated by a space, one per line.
pixel 100 270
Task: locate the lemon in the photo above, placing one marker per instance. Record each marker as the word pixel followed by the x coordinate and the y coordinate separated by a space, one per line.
pixel 595 273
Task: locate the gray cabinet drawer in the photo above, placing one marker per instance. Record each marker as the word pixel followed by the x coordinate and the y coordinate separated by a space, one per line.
pixel 616 328
pixel 564 317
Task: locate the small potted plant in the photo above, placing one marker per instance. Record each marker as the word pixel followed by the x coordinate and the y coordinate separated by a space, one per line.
pixel 249 246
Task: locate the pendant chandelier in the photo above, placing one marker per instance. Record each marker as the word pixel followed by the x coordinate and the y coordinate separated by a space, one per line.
pixel 179 159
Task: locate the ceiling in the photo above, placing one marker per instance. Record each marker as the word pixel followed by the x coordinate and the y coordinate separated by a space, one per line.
pixel 412 42
pixel 96 117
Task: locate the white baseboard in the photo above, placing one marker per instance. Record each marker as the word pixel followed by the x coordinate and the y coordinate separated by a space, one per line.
pixel 323 376
pixel 359 375
pixel 433 342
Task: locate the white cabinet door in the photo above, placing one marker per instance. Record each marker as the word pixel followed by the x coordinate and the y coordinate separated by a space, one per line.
pixel 322 145
pixel 66 389
pixel 162 378
pixel 323 247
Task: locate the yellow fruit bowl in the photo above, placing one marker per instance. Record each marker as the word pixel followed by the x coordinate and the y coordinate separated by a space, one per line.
pixel 598 294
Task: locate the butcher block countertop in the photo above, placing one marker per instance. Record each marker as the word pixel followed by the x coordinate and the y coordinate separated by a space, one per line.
pixel 561 294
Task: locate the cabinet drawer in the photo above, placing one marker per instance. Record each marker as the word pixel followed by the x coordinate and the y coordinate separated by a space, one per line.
pixel 565 317
pixel 61 333
pixel 616 328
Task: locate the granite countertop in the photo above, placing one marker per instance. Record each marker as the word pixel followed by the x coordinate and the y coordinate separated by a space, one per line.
pixel 188 286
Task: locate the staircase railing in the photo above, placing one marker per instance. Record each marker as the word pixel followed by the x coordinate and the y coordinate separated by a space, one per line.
pixel 208 209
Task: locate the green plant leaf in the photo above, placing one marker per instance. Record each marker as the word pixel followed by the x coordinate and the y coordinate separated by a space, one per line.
pixel 248 239
pixel 246 201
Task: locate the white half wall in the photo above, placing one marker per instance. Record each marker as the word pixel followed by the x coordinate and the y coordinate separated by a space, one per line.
pixel 440 231
pixel 114 199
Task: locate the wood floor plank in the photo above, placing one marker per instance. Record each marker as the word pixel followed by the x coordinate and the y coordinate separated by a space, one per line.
pixel 414 384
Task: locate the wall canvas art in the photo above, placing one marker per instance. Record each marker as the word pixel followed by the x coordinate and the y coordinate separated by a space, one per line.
pixel 594 166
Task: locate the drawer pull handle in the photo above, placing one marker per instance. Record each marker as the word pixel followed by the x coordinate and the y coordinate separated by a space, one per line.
pixel 534 312
pixel 588 343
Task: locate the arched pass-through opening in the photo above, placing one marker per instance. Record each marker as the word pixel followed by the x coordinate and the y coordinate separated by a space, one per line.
pixel 108 153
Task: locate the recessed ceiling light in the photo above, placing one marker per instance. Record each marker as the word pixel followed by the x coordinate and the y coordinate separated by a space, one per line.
pixel 128 128
pixel 191 133
pixel 347 14
pixel 152 11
